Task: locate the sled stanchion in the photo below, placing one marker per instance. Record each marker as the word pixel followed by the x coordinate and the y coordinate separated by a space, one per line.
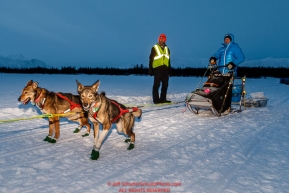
pixel 226 95
pixel 244 91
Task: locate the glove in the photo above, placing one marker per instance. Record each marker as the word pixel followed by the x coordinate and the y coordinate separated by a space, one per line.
pixel 231 65
pixel 213 60
pixel 151 72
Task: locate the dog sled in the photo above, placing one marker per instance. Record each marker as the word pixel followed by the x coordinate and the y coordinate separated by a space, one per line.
pixel 218 93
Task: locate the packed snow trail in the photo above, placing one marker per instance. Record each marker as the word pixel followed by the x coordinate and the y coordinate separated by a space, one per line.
pixel 240 152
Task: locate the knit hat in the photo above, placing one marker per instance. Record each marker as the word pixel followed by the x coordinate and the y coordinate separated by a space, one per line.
pixel 163 36
pixel 228 36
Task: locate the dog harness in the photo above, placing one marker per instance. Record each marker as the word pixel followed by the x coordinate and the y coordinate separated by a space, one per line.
pixel 121 111
pixel 72 104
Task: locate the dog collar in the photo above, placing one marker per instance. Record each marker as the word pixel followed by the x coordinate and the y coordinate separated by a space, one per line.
pixel 95 107
pixel 41 104
pixel 38 98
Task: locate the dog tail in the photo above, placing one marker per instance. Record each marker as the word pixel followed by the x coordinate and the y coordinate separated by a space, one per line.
pixel 137 113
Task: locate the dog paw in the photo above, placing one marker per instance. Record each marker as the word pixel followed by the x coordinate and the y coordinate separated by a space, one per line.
pixel 76 130
pixel 130 147
pixel 127 140
pixel 94 155
pixel 85 135
pixel 52 141
pixel 47 138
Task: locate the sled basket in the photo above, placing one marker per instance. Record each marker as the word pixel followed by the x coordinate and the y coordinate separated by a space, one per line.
pixel 213 95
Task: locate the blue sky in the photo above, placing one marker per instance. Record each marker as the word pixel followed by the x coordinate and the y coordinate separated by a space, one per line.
pixel 121 33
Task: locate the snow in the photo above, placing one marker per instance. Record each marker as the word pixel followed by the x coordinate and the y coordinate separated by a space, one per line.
pixel 175 151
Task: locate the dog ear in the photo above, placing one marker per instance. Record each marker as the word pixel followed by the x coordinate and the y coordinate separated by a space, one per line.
pixel 29 82
pixel 95 86
pixel 79 86
pixel 34 85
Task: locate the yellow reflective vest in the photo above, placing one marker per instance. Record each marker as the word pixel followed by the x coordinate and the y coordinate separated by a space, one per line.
pixel 162 56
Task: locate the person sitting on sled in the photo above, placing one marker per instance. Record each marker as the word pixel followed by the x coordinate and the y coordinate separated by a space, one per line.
pixel 229 56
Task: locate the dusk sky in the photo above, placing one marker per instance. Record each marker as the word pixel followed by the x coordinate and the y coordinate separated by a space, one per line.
pixel 122 32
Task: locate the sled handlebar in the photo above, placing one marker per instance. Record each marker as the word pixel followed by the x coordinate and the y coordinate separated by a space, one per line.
pixel 216 66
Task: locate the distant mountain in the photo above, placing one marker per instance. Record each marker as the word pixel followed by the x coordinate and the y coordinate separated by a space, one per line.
pixel 267 62
pixel 204 62
pixel 19 61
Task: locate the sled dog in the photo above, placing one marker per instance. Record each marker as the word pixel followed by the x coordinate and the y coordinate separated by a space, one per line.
pixel 55 103
pixel 106 112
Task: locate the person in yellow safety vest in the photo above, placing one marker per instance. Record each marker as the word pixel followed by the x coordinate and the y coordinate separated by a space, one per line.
pixel 160 68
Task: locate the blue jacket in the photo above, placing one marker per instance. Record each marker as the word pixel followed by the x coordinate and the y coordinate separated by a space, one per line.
pixel 229 53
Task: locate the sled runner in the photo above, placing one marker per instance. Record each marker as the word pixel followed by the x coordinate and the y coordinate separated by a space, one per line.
pixel 217 93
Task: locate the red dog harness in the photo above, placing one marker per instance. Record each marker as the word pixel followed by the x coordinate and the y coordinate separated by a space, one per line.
pixel 121 111
pixel 72 104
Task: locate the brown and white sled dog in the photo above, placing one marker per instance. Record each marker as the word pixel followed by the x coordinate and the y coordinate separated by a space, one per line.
pixel 106 111
pixel 55 103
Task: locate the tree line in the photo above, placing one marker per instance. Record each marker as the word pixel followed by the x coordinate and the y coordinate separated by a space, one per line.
pixel 250 72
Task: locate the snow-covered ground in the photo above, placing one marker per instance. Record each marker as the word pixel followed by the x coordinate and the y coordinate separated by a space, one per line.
pixel 174 151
